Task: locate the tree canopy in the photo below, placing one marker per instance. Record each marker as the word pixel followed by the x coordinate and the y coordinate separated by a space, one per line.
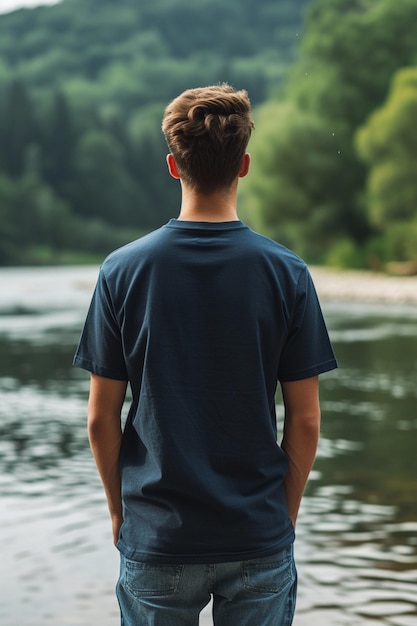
pixel 388 145
pixel 83 84
pixel 349 53
pixel 133 53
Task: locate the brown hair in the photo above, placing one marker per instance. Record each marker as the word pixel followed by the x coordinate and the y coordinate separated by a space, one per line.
pixel 207 130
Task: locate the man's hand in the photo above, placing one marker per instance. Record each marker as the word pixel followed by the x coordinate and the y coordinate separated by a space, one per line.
pixel 116 525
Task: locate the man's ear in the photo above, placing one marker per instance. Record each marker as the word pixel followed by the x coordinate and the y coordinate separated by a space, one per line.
pixel 244 168
pixel 172 167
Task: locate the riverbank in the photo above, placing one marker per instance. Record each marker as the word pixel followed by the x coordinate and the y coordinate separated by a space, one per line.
pixel 364 286
pixel 342 285
pixel 331 284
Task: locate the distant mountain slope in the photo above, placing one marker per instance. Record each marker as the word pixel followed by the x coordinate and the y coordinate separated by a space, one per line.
pixel 137 52
pixel 83 85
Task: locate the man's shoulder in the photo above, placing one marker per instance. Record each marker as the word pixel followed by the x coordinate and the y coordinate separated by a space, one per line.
pixel 277 252
pixel 134 251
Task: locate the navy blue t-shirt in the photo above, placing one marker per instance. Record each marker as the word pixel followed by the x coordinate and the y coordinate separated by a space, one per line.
pixel 203 319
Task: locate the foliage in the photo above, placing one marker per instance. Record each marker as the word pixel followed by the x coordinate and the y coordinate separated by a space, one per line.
pixel 81 100
pixel 136 53
pixel 82 156
pixel 388 144
pixel 349 53
pixel 34 219
pixel 294 164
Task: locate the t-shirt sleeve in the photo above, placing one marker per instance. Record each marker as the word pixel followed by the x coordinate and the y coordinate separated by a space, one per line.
pixel 307 351
pixel 100 349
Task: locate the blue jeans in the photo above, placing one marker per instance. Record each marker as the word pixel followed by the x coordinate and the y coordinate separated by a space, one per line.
pixel 258 592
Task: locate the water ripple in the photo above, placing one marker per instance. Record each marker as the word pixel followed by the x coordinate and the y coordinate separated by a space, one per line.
pixel 357 532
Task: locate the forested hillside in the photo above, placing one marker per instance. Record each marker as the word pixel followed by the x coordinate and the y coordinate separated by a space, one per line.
pixel 134 52
pixel 83 85
pixel 82 89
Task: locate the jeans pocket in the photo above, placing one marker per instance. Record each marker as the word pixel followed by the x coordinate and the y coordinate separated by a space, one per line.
pixel 151 579
pixel 272 574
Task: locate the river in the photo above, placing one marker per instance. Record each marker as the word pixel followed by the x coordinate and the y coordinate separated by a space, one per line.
pixel 357 532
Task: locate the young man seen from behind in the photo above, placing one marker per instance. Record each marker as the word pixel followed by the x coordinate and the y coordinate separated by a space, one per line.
pixel 202 319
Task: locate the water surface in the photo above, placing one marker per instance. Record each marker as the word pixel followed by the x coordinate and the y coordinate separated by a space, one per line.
pixel 357 531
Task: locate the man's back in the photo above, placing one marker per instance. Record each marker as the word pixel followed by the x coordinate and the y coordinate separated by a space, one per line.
pixel 212 314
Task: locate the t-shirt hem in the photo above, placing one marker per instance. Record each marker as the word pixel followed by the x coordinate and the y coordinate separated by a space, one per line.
pixel 215 557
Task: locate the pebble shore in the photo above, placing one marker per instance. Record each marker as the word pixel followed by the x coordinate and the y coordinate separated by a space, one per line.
pixel 363 286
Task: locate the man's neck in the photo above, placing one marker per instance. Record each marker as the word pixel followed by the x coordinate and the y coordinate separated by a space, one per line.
pixel 219 206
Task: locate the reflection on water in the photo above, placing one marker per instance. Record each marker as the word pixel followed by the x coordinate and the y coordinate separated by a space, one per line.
pixel 357 533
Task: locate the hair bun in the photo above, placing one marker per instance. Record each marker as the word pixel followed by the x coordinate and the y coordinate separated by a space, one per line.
pixel 202 120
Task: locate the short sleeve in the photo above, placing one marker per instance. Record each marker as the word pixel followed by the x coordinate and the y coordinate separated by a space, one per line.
pixel 100 349
pixel 307 351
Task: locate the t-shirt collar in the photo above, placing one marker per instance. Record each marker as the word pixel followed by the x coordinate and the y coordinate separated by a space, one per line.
pixel 193 225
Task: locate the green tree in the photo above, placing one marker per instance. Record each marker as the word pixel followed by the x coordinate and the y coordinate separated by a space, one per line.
pixel 31 215
pixel 102 184
pixel 44 218
pixel 294 164
pixel 149 150
pixel 18 129
pixel 348 54
pixel 388 145
pixel 59 143
pixel 9 230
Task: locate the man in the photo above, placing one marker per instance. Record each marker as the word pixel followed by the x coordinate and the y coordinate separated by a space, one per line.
pixel 202 318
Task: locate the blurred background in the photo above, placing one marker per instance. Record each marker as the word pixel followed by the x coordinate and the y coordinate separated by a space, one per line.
pixel 83 85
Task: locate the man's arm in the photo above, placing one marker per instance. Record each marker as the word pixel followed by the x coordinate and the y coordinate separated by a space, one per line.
pixel 105 433
pixel 301 436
